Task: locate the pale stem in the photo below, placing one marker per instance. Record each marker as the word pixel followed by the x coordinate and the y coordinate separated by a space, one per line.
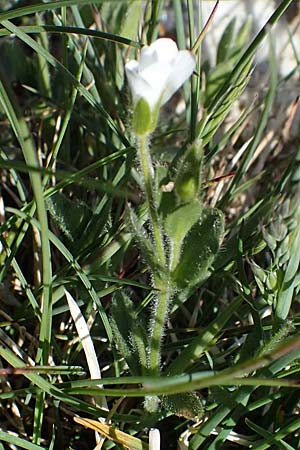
pixel 159 317
pixel 148 175
pixel 159 313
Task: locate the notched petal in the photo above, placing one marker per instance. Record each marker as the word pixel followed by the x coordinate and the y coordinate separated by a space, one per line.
pixel 165 49
pixel 140 88
pixel 132 66
pixel 148 57
pixel 184 65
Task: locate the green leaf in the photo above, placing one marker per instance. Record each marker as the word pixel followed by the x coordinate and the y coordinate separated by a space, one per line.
pixel 204 341
pixel 225 43
pixel 177 225
pixel 179 222
pixel 186 405
pixel 199 249
pixel 131 20
pixel 221 104
pixel 188 179
pixel 71 216
pixel 139 343
pixel 285 294
pixel 121 323
pixel 269 439
pixel 122 311
pixel 15 440
pixel 243 35
pixel 129 333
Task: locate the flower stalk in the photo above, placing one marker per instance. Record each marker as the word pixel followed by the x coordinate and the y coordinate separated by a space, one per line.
pixel 159 318
pixel 158 74
pixel 148 178
pixel 160 309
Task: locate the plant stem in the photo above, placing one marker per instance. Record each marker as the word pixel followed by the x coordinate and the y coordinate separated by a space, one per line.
pixel 159 313
pixel 148 175
pixel 159 318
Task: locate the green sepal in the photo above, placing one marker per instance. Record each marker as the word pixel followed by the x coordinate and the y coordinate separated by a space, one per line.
pixel 144 119
pixel 187 405
pixel 199 249
pixel 155 116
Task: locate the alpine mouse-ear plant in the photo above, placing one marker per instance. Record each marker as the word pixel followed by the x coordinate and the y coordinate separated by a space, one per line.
pixel 160 71
pixel 181 238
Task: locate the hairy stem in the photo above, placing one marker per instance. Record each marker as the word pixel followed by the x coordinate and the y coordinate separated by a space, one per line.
pixel 148 175
pixel 159 314
pixel 159 318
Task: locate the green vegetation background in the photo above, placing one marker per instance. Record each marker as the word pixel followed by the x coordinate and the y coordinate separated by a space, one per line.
pixel 230 356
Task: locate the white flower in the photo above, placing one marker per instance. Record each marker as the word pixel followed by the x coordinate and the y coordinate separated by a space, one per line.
pixel 160 71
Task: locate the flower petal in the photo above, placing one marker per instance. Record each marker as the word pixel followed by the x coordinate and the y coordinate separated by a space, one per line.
pixel 138 85
pixel 183 67
pixel 161 70
pixel 157 75
pixel 165 49
pixel 148 56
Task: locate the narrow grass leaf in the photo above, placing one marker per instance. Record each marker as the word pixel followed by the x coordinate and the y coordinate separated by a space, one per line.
pixel 86 341
pixel 22 443
pixel 113 434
